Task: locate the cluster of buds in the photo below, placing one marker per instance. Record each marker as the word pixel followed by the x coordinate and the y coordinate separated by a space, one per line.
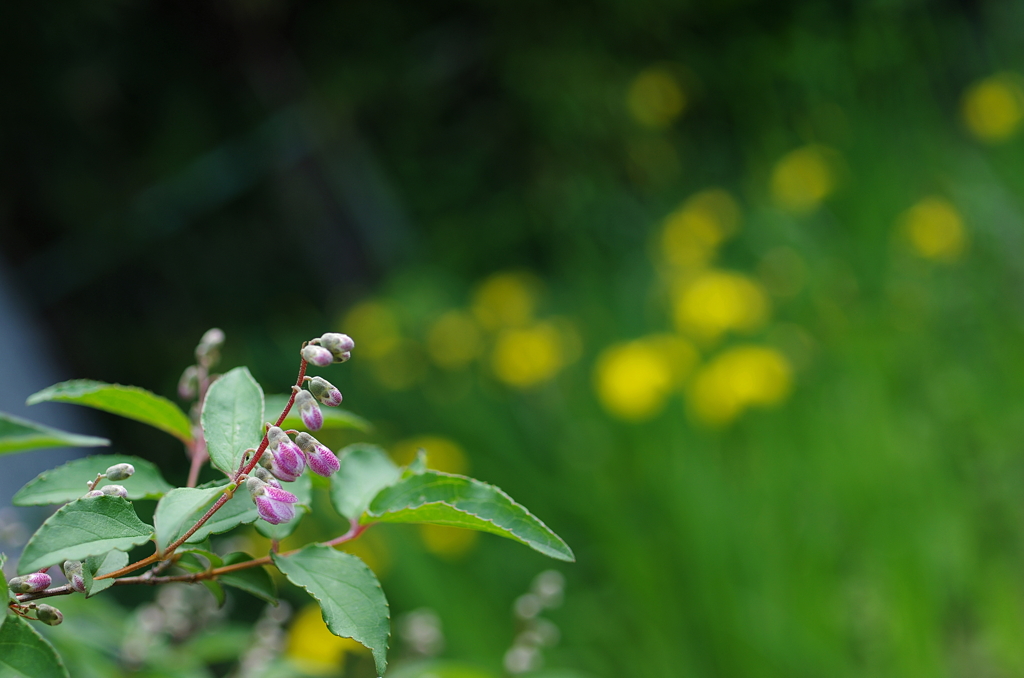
pixel 273 504
pixel 330 348
pixel 115 472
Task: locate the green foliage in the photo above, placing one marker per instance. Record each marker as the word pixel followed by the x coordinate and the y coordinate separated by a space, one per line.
pixel 19 435
pixel 254 580
pixel 179 509
pixel 232 418
pixel 365 470
pixel 301 488
pixel 349 595
pixel 239 510
pixel 128 401
pixel 26 654
pixel 83 528
pixel 335 418
pixel 96 566
pixel 67 482
pixel 458 501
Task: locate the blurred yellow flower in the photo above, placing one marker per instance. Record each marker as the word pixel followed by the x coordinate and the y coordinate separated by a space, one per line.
pixel 313 648
pixel 505 299
pixel 442 454
pixel 935 230
pixel 374 327
pixel 738 378
pixel 454 340
pixel 803 178
pixel 634 379
pixel 692 234
pixel 450 543
pixel 401 367
pixel 655 98
pixel 528 356
pixel 994 107
pixel 714 302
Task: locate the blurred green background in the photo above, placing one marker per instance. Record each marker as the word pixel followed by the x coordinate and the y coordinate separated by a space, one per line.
pixel 728 294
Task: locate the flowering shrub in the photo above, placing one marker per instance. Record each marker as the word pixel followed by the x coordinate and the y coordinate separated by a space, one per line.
pixel 90 537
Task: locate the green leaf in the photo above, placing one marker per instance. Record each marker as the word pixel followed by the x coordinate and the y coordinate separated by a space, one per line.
pixel 302 488
pixel 18 435
pixel 4 591
pixel 127 401
pixel 67 482
pixel 179 510
pixel 26 654
pixel 96 566
pixel 232 418
pixel 238 510
pixel 334 417
pixel 190 562
pixel 365 470
pixel 254 580
pixel 350 597
pixel 447 499
pixel 83 528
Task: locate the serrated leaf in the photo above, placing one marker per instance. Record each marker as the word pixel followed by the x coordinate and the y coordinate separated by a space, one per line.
pixel 448 499
pixel 253 580
pixel 127 401
pixel 238 510
pixel 190 562
pixel 26 654
pixel 180 509
pixel 18 435
pixel 97 566
pixel 216 589
pixel 83 528
pixel 232 418
pixel 365 470
pixel 350 597
pixel 212 559
pixel 68 482
pixel 302 488
pixel 334 417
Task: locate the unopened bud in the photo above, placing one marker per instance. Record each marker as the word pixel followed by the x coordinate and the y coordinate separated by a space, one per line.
pixel 324 391
pixel 188 384
pixel 321 460
pixel 276 436
pixel 209 345
pixel 288 462
pixel 120 472
pixel 74 571
pixel 30 583
pixel 114 491
pixel 309 411
pixel 318 355
pixel 340 345
pixel 49 615
pixel 267 459
pixel 94 493
pixel 273 504
pixel 266 476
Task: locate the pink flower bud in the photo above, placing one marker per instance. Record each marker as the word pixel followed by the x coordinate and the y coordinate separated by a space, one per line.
pixel 276 436
pixel 120 472
pixel 324 391
pixel 273 504
pixel 318 355
pixel 114 491
pixel 310 412
pixel 288 462
pixel 321 460
pixel 49 615
pixel 74 572
pixel 94 493
pixel 266 476
pixel 30 583
pixel 188 384
pixel 337 344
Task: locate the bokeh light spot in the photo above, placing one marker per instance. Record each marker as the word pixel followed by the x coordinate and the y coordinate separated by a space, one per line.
pixel 505 300
pixel 634 379
pixel 453 340
pixel 935 229
pixel 526 357
pixel 450 543
pixel 715 302
pixel 443 454
pixel 736 379
pixel 803 178
pixel 692 234
pixel 313 648
pixel 994 107
pixel 655 98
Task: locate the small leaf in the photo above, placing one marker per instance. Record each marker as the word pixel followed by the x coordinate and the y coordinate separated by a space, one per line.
pixel 83 528
pixel 334 417
pixel 68 482
pixel 127 401
pixel 232 418
pixel 254 580
pixel 238 510
pixel 302 488
pixel 350 597
pixel 97 566
pixel 18 435
pixel 447 499
pixel 365 470
pixel 179 510
pixel 26 654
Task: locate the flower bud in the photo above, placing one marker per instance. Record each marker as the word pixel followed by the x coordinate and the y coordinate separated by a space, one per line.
pixel 114 491
pixel 318 355
pixel 30 583
pixel 266 476
pixel 276 436
pixel 188 384
pixel 273 504
pixel 94 493
pixel 74 571
pixel 120 472
pixel 288 463
pixel 340 345
pixel 310 412
pixel 321 460
pixel 324 391
pixel 49 615
pixel 209 345
pixel 267 459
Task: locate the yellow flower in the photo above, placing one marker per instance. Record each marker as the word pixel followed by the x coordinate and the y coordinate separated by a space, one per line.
pixel 736 379
pixel 453 340
pixel 401 367
pixel 935 229
pixel 374 326
pixel 505 300
pixel 692 234
pixel 655 98
pixel 313 648
pixel 994 107
pixel 803 178
pixel 715 302
pixel 450 543
pixel 634 379
pixel 528 356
